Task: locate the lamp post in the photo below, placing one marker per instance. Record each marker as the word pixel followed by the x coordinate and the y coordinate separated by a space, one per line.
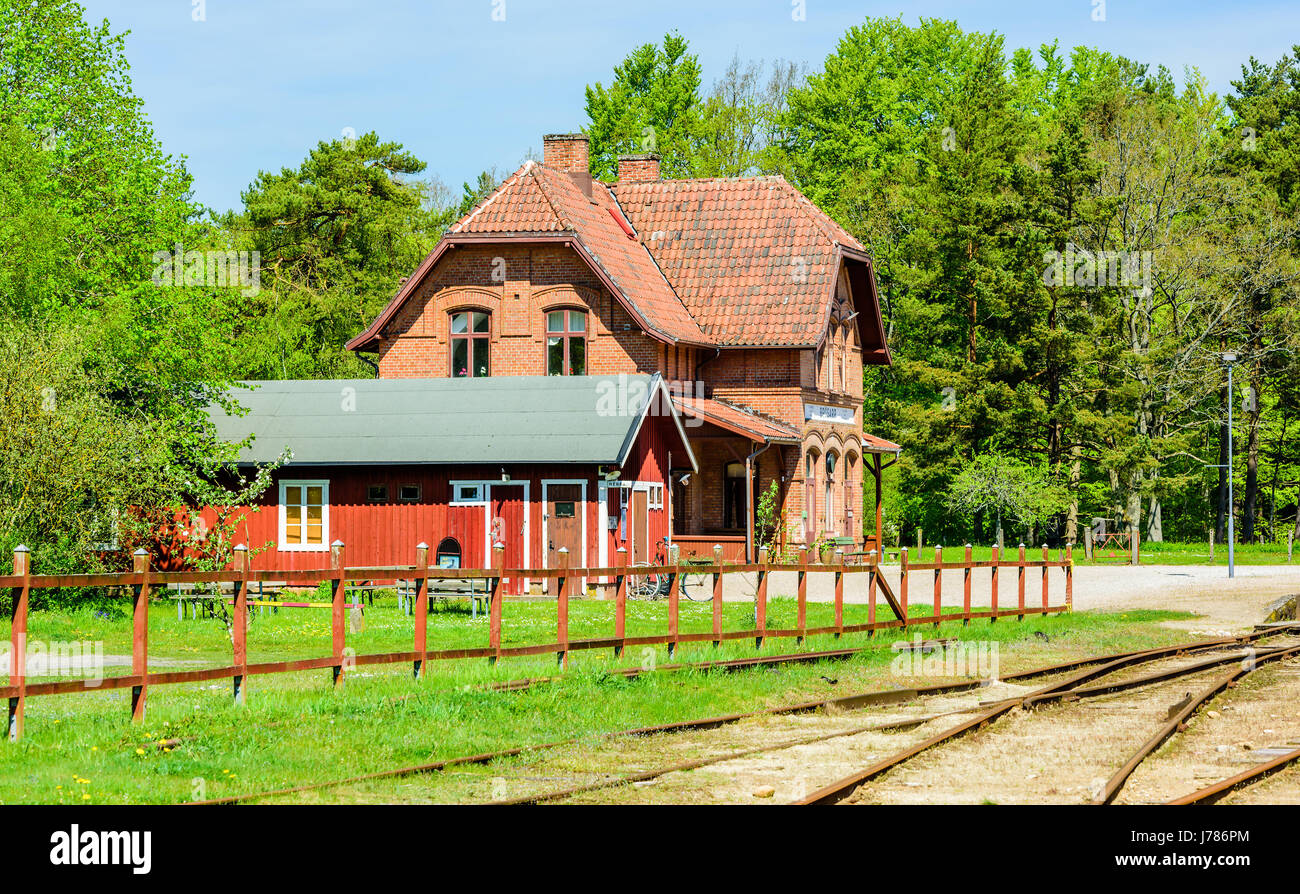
pixel 1230 358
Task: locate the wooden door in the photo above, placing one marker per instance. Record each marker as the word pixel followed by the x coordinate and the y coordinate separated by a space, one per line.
pixel 563 526
pixel 508 529
pixel 640 522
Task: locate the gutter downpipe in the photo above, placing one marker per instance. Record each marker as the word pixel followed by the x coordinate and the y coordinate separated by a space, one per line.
pixel 749 501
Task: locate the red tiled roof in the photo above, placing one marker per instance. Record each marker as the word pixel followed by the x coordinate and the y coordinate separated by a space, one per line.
pixel 735 419
pixel 730 262
pixel 537 199
pixel 752 259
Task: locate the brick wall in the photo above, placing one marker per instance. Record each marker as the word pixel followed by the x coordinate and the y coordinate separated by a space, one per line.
pixel 517 285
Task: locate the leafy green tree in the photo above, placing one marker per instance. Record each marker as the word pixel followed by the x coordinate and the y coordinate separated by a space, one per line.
pixel 998 484
pixel 651 105
pixel 335 237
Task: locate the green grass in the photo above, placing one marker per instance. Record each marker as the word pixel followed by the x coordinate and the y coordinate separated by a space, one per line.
pixel 295 729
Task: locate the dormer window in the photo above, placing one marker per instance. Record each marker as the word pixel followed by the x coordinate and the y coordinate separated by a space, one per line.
pixel 566 343
pixel 471 332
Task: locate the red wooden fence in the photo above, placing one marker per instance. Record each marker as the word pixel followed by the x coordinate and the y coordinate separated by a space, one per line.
pixel 141 579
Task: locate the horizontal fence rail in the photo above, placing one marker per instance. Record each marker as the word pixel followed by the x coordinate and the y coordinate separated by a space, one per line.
pixel 140 582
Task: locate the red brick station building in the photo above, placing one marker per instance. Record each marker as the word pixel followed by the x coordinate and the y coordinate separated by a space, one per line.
pixel 591 366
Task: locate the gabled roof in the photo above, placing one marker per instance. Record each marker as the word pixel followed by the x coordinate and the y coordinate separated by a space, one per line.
pixel 740 262
pixel 539 203
pixel 754 261
pixel 520 419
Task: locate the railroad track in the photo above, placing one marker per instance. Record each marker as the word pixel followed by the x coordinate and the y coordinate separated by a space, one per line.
pixel 1096 666
pixel 846 787
pixel 1071 687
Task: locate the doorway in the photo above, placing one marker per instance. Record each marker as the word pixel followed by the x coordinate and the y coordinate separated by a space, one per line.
pixel 563 526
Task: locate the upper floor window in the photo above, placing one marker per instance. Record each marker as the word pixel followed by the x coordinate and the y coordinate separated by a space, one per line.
pixel 471 332
pixel 566 343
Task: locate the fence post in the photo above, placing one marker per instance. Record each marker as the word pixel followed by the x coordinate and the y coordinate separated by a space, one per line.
pixel 993 586
pixel 717 595
pixel 938 583
pixel 839 591
pixel 801 616
pixel 239 623
pixel 494 603
pixel 874 558
pixel 1069 577
pixel 1135 557
pixel 902 584
pixel 965 589
pixel 674 597
pixel 760 599
pixel 1046 558
pixel 337 632
pixel 140 633
pixel 1020 583
pixel 422 607
pixel 18 641
pixel 562 608
pixel 620 602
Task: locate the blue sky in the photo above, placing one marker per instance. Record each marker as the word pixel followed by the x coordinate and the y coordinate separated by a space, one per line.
pixel 258 82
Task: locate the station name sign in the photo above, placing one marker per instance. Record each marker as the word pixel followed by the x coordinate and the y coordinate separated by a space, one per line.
pixel 823 413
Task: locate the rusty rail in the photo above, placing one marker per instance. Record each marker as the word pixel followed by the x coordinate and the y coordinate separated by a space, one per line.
pixel 141 581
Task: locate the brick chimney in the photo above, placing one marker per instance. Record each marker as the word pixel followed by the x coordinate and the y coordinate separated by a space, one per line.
pixel 638 168
pixel 565 152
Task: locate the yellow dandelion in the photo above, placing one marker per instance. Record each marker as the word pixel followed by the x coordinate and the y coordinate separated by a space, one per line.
pixel 139 751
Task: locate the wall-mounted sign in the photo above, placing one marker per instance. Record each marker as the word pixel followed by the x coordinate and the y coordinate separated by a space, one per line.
pixel 823 413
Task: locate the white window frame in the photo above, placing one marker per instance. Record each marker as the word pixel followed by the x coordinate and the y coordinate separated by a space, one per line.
pixel 282 544
pixel 479 498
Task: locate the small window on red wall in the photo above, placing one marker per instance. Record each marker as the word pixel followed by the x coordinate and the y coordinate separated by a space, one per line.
pixel 566 343
pixel 471 332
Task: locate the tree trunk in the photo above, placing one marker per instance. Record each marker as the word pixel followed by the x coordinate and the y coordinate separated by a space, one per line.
pixel 1155 528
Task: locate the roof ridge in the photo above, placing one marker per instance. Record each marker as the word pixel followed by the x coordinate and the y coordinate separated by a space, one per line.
pixel 645 247
pixel 564 221
pixel 819 216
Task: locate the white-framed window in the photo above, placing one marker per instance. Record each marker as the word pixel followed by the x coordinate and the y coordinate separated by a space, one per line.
pixel 466 493
pixel 304 516
pixel 656 498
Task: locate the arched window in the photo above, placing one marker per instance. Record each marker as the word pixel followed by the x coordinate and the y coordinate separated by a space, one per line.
pixel 852 496
pixel 809 496
pixel 471 332
pixel 566 343
pixel 448 553
pixel 832 525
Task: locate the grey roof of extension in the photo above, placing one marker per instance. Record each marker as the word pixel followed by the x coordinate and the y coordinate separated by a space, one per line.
pixel 515 419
